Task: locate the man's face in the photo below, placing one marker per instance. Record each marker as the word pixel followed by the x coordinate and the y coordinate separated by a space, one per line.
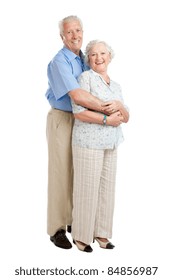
pixel 73 36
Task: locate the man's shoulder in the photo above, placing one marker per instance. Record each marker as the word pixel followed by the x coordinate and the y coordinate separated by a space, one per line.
pixel 60 56
pixel 64 55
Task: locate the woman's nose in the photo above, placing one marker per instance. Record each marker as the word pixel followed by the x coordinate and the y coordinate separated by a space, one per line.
pixel 98 57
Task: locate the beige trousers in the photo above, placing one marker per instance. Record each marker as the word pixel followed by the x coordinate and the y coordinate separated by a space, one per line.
pixel 93 193
pixel 60 170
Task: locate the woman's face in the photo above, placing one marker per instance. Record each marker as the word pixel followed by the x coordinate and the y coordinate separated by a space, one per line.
pixel 99 58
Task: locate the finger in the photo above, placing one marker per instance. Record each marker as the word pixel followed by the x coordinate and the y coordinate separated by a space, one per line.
pixel 105 104
pixel 107 109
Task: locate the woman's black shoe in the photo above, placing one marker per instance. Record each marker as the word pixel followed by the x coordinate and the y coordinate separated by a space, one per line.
pixel 81 247
pixel 105 245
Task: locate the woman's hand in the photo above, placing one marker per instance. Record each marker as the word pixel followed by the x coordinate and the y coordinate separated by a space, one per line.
pixel 115 119
pixel 111 107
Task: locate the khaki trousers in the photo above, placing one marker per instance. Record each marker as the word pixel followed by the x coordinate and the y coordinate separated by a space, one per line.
pixel 93 193
pixel 60 170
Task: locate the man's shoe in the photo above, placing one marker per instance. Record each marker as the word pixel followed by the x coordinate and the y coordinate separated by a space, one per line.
pixel 61 240
pixel 69 229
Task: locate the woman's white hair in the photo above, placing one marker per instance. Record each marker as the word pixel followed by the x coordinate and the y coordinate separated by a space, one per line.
pixel 68 19
pixel 93 43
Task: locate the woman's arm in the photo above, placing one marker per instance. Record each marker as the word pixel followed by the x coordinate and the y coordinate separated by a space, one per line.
pixel 93 117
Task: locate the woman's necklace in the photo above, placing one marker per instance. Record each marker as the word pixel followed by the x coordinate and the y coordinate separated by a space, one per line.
pixel 106 79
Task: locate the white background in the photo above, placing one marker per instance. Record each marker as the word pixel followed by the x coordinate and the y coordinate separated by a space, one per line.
pixel 140 32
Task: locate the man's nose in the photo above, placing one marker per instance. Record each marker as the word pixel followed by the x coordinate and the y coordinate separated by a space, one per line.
pixel 75 35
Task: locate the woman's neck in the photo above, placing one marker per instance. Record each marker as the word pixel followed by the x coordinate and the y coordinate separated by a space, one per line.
pixel 105 77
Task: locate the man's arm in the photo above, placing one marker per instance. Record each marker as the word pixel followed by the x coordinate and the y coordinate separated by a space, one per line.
pixel 86 99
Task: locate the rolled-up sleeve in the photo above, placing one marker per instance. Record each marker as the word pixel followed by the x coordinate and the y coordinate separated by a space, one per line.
pixel 61 78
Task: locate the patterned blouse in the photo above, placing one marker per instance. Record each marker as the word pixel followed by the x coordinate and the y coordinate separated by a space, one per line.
pixel 96 136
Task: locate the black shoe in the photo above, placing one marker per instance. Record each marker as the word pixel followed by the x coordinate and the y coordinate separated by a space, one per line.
pixel 105 245
pixel 83 247
pixel 61 240
pixel 69 229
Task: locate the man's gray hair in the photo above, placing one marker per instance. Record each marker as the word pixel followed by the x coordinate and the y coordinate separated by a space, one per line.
pixel 93 43
pixel 68 19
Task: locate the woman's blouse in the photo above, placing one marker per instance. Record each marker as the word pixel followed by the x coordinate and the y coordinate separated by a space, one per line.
pixel 97 136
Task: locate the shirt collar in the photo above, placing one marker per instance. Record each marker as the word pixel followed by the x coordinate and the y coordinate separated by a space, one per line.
pixel 71 55
pixel 98 75
pixel 95 73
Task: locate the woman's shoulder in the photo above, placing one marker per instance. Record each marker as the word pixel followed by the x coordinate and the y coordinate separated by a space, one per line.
pixel 116 85
pixel 86 73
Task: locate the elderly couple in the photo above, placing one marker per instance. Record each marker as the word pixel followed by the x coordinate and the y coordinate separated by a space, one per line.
pixel 83 133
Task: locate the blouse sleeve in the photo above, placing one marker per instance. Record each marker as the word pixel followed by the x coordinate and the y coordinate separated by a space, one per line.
pixel 121 97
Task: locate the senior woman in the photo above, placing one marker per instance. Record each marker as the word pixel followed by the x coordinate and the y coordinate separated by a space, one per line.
pixel 94 143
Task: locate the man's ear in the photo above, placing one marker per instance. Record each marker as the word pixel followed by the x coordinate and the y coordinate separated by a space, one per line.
pixel 62 37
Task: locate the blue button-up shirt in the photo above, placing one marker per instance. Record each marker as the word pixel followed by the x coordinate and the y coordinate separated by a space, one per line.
pixel 63 71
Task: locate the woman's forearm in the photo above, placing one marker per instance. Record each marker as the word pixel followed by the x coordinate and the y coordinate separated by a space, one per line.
pixel 90 117
pixel 93 117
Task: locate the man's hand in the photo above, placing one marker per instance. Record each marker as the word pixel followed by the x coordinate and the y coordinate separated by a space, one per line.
pixel 111 107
